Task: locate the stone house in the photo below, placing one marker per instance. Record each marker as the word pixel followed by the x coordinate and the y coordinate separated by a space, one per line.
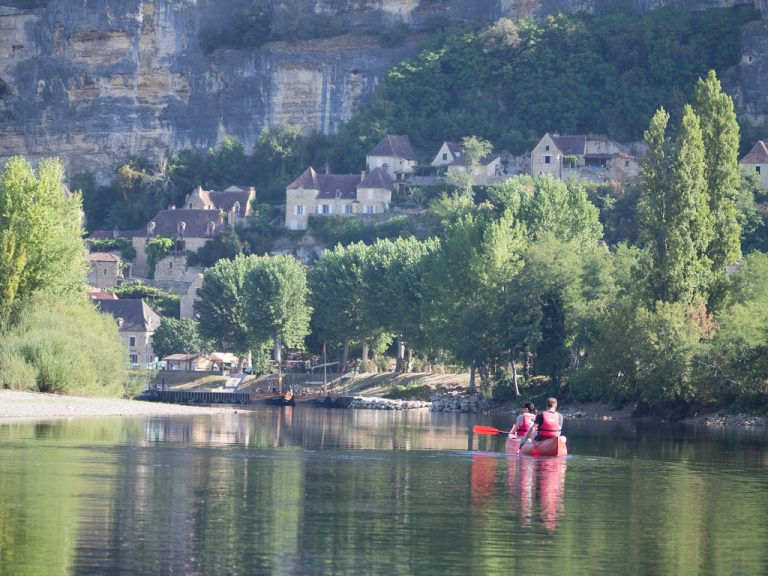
pixel 190 299
pixel 597 159
pixel 395 154
pixel 105 269
pixel 756 160
pixel 136 323
pixel 449 151
pixel 483 173
pixel 190 229
pixel 234 201
pixel 336 195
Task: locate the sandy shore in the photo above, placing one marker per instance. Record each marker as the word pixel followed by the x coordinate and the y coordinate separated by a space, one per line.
pixel 34 405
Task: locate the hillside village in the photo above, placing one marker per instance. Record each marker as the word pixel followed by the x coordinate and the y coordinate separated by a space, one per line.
pixel 392 165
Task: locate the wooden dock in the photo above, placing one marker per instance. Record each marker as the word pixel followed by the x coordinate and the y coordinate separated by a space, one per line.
pixel 201 397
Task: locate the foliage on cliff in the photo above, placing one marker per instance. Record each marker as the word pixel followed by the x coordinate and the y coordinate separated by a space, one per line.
pixel 510 83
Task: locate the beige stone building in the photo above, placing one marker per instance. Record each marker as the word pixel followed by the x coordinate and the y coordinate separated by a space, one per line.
pixel 449 152
pixel 336 195
pixel 483 173
pixel 756 160
pixel 190 298
pixel 105 269
pixel 598 159
pixel 234 200
pixel 136 323
pixel 395 155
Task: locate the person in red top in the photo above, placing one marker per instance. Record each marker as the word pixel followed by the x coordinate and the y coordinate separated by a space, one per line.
pixel 524 421
pixel 547 424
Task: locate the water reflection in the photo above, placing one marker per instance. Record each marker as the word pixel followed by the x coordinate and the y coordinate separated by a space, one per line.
pixel 309 492
pixel 315 429
pixel 532 484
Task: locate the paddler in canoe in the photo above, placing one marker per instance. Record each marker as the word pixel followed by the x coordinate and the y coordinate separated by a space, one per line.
pixel 524 421
pixel 548 426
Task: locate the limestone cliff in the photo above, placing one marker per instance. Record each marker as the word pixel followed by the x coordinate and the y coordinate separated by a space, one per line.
pixel 97 81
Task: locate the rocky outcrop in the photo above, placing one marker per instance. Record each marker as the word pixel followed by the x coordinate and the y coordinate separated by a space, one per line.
pixel 98 81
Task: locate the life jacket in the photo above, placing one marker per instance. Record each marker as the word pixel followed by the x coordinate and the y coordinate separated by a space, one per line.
pixel 550 425
pixel 528 419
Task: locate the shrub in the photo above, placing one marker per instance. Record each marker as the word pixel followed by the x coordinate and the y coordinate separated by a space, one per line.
pixel 410 392
pixel 59 345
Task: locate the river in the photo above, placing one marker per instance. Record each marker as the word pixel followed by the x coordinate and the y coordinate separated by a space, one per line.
pixel 311 491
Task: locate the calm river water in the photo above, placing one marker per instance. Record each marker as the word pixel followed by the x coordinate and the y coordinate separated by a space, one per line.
pixel 313 491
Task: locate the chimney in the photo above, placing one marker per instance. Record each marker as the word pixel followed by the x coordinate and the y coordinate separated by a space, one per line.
pixel 362 175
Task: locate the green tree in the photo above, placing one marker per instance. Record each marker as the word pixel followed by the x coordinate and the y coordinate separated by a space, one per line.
pixel 546 205
pixel 280 154
pixel 174 336
pixel 40 233
pixel 227 164
pixel 675 220
pixel 277 309
pixel 720 133
pixel 337 295
pixel 393 281
pixel 223 305
pixel 466 288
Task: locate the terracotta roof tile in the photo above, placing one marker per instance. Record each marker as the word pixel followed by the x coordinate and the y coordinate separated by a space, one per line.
pixel 102 257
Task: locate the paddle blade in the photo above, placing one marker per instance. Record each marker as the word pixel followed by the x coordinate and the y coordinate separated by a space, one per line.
pixel 487 430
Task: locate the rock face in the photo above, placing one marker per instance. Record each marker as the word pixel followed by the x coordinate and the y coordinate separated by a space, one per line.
pixel 98 81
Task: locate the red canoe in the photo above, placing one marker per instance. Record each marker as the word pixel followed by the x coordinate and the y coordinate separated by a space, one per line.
pixel 549 447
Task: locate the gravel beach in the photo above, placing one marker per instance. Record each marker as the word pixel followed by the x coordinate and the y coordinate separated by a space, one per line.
pixel 36 406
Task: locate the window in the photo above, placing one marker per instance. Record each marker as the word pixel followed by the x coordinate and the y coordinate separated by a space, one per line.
pixel 445 156
pixel 370 194
pixel 348 209
pixel 325 208
pixel 132 341
pixel 546 147
pixel 299 210
pixel 105 271
pixel 547 159
pixel 757 169
pixel 133 358
pixel 370 209
pixel 626 163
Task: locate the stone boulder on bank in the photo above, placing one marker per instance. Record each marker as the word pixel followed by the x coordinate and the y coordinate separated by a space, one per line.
pixel 459 403
pixel 374 403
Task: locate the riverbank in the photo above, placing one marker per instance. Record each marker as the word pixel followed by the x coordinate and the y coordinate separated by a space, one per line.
pixel 38 406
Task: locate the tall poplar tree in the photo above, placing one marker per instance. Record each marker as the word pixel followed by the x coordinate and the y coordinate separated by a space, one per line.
pixel 720 133
pixel 675 220
pixel 653 205
pixel 41 245
pixel 692 225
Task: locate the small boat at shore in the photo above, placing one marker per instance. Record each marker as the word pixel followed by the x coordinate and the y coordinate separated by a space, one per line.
pixel 286 400
pixel 549 447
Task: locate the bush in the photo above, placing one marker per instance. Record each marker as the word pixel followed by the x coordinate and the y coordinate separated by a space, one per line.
pixel 410 392
pixel 122 245
pixel 336 229
pixel 58 345
pixel 15 372
pixel 165 303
